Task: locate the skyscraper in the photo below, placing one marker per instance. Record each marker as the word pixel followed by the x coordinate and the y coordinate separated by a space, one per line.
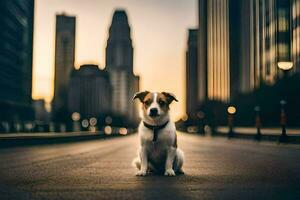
pixel 119 50
pixel 89 91
pixel 202 51
pixel 16 44
pixel 214 51
pixel 119 64
pixel 192 101
pixel 64 63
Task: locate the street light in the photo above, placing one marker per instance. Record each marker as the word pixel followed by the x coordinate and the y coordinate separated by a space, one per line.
pixel 107 130
pixel 93 123
pixel 285 65
pixel 108 120
pixel 85 123
pixel 123 131
pixel 231 110
pixel 75 118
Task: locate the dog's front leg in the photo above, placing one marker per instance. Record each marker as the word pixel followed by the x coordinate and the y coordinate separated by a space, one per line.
pixel 144 162
pixel 171 153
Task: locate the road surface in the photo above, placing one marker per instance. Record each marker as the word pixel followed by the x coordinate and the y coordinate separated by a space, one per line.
pixel 216 168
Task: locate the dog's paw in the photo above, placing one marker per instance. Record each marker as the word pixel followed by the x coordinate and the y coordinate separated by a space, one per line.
pixel 141 173
pixel 169 172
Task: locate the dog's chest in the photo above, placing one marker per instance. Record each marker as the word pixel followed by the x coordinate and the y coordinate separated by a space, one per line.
pixel 156 151
pixel 164 137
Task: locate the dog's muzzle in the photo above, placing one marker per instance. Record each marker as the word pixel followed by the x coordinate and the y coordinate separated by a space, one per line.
pixel 153 112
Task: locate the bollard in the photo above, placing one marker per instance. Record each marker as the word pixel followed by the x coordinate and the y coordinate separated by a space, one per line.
pixel 76 121
pixel 257 123
pixel 231 110
pixel 201 116
pixel 283 136
pixel 62 128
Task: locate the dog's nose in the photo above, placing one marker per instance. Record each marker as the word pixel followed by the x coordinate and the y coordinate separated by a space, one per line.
pixel 153 112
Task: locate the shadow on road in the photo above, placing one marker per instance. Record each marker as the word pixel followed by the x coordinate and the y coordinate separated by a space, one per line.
pixel 156 186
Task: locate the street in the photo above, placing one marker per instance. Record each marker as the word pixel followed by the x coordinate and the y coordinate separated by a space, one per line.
pixel 216 168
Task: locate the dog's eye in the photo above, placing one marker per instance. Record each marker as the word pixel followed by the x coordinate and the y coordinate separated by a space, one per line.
pixel 147 102
pixel 161 103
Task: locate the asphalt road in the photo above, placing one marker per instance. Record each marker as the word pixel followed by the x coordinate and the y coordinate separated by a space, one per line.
pixel 216 168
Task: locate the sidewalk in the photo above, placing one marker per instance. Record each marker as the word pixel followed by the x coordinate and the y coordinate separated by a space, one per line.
pixel 264 131
pixel 4 136
pixel 24 139
pixel 267 134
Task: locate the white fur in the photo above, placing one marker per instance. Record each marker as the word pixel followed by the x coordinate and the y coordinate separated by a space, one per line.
pixel 154 104
pixel 160 154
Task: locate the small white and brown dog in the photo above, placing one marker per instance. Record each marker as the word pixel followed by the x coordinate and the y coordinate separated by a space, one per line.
pixel 158 150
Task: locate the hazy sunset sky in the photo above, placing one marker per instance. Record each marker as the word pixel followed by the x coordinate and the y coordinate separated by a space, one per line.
pixel 158 30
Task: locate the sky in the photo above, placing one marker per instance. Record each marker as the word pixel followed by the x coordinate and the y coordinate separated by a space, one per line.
pixel 159 33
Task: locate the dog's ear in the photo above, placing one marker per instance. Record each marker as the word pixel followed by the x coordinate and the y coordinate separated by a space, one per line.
pixel 170 97
pixel 140 95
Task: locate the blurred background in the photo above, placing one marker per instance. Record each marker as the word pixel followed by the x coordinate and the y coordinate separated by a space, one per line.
pixel 75 65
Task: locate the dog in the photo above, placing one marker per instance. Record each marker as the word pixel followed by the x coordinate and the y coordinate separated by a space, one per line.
pixel 158 151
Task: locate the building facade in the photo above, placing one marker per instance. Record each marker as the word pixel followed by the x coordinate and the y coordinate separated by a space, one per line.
pixel 296 35
pixel 64 63
pixel 16 44
pixel 214 50
pixel 119 64
pixel 41 114
pixel 241 46
pixel 89 92
pixel 241 42
pixel 269 40
pixel 202 51
pixel 192 73
pixel 265 62
pixel 218 73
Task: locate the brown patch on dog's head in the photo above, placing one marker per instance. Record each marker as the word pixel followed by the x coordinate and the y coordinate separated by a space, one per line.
pixel 146 98
pixel 162 101
pixel 140 95
pixel 147 101
pixel 170 97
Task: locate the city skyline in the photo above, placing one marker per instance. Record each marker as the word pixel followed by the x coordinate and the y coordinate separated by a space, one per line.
pixel 151 55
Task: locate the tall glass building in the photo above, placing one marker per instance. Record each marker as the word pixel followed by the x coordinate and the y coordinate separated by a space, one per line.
pixel 16 44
